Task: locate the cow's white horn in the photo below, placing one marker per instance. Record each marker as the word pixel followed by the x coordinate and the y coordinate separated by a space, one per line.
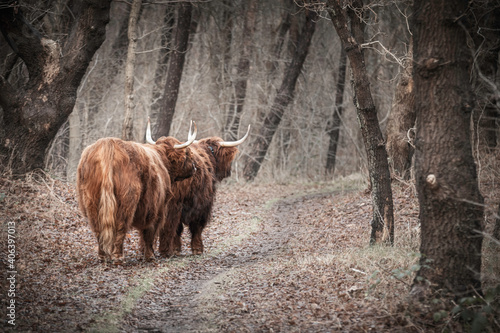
pixel 235 143
pixel 149 139
pixel 191 137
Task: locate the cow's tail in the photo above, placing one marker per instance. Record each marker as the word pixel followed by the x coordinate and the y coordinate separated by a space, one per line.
pixel 107 202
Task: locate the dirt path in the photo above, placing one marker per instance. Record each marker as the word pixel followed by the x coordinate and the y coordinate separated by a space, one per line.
pixel 192 305
pixel 223 290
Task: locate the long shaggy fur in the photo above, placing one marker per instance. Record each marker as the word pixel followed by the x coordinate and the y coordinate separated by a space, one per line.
pixel 193 198
pixel 123 184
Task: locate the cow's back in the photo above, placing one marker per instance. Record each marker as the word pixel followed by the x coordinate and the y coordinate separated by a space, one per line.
pixel 156 188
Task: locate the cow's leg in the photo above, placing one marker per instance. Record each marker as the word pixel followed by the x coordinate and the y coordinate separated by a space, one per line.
pixel 118 248
pixel 100 251
pixel 168 233
pixel 196 240
pixel 178 239
pixel 148 238
pixel 171 245
pixel 165 247
pixel 120 234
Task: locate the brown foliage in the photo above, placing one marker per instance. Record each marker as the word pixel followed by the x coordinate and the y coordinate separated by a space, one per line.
pixel 278 257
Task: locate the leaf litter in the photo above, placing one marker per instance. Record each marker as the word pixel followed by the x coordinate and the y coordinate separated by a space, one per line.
pixel 278 258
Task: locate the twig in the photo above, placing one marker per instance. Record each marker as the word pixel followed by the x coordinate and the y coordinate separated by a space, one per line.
pixel 359 271
pixel 365 45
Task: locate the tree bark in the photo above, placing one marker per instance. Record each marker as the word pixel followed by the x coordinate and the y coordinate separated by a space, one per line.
pixel 383 216
pixel 402 120
pixel 496 227
pixel 162 66
pixel 175 68
pixel 242 73
pixel 283 29
pixel 451 207
pixel 333 126
pixel 128 124
pixel 75 144
pixel 283 97
pixel 33 113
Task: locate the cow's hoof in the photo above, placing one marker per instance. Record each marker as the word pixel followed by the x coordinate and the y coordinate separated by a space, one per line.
pixel 197 252
pixel 166 255
pixel 118 261
pixel 150 258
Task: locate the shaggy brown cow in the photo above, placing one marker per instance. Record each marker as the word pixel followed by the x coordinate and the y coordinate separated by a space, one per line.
pixel 193 198
pixel 123 184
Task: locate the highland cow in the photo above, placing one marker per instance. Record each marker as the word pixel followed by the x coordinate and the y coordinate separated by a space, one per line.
pixel 123 184
pixel 193 198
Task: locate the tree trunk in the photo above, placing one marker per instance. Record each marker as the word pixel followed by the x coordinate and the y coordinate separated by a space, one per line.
pixel 496 227
pixel 451 210
pixel 333 126
pixel 227 33
pixel 128 124
pixel 33 113
pixel 75 144
pixel 162 66
pixel 383 217
pixel 283 97
pixel 175 68
pixel 240 87
pixel 402 120
pixel 283 29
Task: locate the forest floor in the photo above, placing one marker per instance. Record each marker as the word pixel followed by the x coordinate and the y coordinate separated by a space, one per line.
pixel 278 258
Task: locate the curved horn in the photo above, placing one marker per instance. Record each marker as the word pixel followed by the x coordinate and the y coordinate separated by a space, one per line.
pixel 235 143
pixel 149 139
pixel 191 137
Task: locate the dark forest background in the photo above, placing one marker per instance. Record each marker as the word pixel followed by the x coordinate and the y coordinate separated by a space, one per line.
pixel 388 91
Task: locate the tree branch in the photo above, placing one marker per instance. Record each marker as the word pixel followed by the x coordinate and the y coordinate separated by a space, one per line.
pixel 22 37
pixel 86 36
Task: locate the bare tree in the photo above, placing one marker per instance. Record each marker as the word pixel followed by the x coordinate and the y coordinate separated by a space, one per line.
pixel 333 126
pixel 451 206
pixel 283 97
pixel 162 66
pixel 242 73
pixel 351 33
pixel 283 29
pixel 33 112
pixel 175 68
pixel 128 125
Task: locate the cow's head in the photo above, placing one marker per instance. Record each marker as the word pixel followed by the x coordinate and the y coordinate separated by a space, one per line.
pixel 176 156
pixel 223 152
